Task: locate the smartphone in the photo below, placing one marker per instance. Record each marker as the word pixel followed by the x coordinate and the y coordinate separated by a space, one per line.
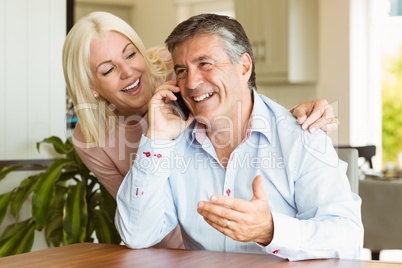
pixel 181 106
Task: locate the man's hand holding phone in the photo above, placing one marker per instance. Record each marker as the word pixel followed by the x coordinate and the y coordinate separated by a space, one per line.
pixel 164 120
pixel 181 106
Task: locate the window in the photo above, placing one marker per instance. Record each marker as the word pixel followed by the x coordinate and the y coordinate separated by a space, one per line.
pixel 396 8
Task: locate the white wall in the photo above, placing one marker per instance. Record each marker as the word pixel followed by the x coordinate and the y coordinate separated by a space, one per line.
pixel 334 59
pixel 349 70
pixel 153 20
pixel 32 87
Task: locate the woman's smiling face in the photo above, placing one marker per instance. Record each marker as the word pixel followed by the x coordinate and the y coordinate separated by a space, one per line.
pixel 120 74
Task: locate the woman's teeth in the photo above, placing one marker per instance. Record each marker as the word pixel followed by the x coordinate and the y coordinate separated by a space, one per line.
pixel 131 86
pixel 203 97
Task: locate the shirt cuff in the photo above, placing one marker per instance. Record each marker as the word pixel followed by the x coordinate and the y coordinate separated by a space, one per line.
pixel 287 236
pixel 154 157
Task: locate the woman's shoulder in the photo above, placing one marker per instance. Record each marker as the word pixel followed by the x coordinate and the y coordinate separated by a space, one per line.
pixel 80 143
pixel 90 153
pixel 77 134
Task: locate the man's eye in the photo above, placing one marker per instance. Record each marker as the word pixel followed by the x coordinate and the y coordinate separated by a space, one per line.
pixel 181 73
pixel 108 72
pixel 205 65
pixel 131 55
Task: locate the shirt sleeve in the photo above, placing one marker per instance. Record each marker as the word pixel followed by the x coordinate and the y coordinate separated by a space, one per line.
pixel 145 210
pixel 328 220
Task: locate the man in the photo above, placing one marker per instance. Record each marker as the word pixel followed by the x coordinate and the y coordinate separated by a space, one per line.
pixel 272 188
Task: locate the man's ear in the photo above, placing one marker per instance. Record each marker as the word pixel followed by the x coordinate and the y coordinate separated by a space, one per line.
pixel 246 65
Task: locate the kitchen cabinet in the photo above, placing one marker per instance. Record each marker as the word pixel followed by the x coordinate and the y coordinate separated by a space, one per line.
pixel 283 34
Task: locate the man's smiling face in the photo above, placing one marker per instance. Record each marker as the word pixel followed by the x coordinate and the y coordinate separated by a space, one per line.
pixel 210 83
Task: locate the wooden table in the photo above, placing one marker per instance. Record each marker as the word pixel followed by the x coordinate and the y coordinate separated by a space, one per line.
pixel 101 255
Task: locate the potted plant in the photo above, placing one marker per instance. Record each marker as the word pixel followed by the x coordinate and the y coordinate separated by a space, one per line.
pixel 68 204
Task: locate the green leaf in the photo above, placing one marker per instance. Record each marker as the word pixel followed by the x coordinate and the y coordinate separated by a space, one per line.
pixel 105 229
pixel 26 240
pixel 22 193
pixel 94 201
pixel 4 201
pixel 54 226
pixel 12 229
pixel 58 145
pixel 68 175
pixel 18 238
pixel 108 203
pixel 54 229
pixel 75 214
pixel 4 171
pixel 90 226
pixel 74 156
pixel 43 194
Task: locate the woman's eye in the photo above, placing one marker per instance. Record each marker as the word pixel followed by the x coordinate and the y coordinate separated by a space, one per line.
pixel 131 55
pixel 108 72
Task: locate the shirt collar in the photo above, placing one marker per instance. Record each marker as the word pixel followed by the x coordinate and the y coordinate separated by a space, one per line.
pixel 260 121
pixel 262 118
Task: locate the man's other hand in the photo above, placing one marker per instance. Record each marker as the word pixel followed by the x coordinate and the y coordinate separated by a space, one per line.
pixel 239 219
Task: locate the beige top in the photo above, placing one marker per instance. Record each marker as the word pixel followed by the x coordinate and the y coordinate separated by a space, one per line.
pixel 112 160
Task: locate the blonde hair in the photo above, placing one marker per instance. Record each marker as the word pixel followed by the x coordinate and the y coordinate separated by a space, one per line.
pixel 94 114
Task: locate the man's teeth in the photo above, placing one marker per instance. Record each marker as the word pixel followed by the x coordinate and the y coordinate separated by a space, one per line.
pixel 132 86
pixel 203 97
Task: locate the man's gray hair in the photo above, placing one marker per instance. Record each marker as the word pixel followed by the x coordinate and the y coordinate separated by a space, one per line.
pixel 232 34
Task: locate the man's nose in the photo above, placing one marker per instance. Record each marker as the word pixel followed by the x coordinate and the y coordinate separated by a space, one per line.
pixel 194 79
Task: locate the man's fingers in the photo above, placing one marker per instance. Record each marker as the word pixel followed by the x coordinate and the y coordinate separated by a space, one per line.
pixel 239 204
pixel 219 216
pixel 233 203
pixel 227 225
pixel 258 190
pixel 161 95
pixel 165 92
pixel 230 230
pixel 168 84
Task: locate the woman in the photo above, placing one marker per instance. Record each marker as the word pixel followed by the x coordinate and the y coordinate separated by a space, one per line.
pixel 110 78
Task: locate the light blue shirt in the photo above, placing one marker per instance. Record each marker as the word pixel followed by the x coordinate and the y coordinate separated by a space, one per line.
pixel 315 213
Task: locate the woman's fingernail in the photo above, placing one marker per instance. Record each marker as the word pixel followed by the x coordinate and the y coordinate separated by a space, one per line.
pixel 312 130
